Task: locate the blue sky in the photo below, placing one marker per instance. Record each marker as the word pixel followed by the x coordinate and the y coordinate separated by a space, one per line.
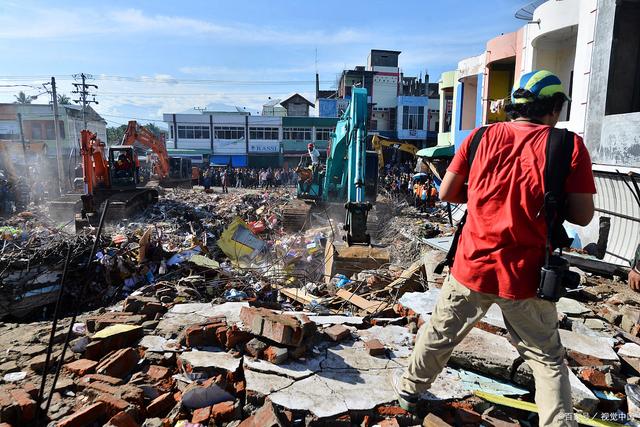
pixel 150 57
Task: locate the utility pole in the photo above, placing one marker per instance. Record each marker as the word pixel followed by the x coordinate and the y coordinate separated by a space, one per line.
pixel 56 130
pixel 24 148
pixel 82 89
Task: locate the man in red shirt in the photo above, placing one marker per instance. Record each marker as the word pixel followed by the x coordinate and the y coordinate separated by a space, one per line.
pixel 502 247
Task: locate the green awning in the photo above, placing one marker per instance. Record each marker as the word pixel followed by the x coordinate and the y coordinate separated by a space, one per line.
pixel 439 151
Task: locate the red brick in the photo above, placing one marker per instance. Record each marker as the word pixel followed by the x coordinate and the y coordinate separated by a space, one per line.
pixel 375 347
pixel 337 333
pixel 236 336
pixel 161 405
pixel 221 335
pixel 26 404
pixel 31 389
pixel 281 328
pixel 85 416
pixel 81 367
pixel 594 377
pixel 157 372
pixel 275 355
pixel 119 363
pixel 98 348
pixel 432 420
pixel 103 388
pixel 264 417
pixel 391 411
pixel 103 378
pixel 203 334
pixel 122 419
pixel 201 415
pixel 224 411
pixel 389 422
pixel 114 404
pixel 132 394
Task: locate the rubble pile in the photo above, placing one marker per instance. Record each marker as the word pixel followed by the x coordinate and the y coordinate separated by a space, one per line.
pixel 212 314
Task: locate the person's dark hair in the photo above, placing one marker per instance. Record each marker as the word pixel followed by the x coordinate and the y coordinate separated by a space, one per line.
pixel 537 108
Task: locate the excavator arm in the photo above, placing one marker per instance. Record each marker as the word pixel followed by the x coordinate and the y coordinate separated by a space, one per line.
pixel 379 143
pixel 144 136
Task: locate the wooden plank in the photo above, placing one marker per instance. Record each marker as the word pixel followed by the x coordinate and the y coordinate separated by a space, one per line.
pixel 362 303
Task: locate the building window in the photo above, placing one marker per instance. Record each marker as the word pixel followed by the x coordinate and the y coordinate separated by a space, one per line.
pixel 264 133
pixel 323 134
pixel 623 86
pixel 49 130
pixel 192 132
pixel 61 130
pixel 412 118
pixel 36 131
pixel 297 134
pixel 228 132
pixel 171 131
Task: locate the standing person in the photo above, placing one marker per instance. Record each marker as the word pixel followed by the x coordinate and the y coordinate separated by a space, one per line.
pixel 239 178
pixel 314 154
pixel 206 179
pixel 224 181
pixel 502 246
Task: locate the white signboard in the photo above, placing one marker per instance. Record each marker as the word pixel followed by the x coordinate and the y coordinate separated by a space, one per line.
pixel 266 147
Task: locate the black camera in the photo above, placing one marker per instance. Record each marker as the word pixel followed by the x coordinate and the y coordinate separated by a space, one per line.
pixel 556 278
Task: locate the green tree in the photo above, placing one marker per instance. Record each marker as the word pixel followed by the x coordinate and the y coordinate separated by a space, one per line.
pixel 63 99
pixel 156 130
pixel 23 98
pixel 115 134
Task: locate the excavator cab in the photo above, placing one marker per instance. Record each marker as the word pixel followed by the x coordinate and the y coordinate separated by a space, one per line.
pixel 122 170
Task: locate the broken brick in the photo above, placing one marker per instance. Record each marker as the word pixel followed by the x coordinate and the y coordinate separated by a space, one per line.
pixel 433 420
pixel 102 378
pixel 85 416
pixel 114 340
pixel 276 355
pixel 161 405
pixel 119 363
pixel 201 415
pixel 236 336
pixel 157 373
pixel 281 328
pixel 25 403
pixel 375 347
pixel 81 367
pixel 224 411
pixel 593 377
pixel 122 419
pixel 266 416
pixel 337 332
pixel 113 404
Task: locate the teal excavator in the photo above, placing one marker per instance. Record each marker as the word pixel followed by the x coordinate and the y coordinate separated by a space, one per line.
pixel 350 174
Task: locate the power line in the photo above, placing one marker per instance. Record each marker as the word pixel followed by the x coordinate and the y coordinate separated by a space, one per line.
pixel 172 80
pixel 82 89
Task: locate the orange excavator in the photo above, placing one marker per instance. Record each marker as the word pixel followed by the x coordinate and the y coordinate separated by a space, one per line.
pixel 171 171
pixel 110 174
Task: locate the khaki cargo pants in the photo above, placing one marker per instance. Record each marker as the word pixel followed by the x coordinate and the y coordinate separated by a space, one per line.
pixel 533 326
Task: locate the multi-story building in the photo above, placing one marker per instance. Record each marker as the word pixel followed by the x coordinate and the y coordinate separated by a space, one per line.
pixel 239 139
pixel 38 125
pixel 400 107
pixel 296 105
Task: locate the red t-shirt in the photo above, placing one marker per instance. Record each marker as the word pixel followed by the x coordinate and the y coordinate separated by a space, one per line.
pixel 502 245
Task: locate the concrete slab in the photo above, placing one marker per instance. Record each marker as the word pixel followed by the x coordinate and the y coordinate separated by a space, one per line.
pixel 352 356
pixel 265 384
pixel 420 302
pixel 494 317
pixel 211 359
pixel 487 353
pixel 582 397
pixel 183 315
pixel 589 346
pixel 630 349
pixel 397 339
pixel 571 307
pixel 292 369
pixel 157 344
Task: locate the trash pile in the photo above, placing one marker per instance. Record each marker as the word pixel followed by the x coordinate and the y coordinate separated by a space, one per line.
pixel 205 311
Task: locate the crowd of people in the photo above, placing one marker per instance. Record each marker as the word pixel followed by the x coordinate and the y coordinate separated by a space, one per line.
pixel 420 189
pixel 265 178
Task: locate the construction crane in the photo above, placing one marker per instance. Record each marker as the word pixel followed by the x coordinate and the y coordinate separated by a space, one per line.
pixel 171 171
pixel 379 143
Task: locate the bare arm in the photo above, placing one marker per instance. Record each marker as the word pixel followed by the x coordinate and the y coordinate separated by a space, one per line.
pixel 453 188
pixel 580 208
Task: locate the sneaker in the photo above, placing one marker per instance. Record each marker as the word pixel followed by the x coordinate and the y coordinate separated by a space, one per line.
pixel 407 401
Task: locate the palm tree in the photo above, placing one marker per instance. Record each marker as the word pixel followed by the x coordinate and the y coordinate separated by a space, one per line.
pixel 23 98
pixel 63 99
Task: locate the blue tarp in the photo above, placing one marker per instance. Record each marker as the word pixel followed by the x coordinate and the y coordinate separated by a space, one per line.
pixel 239 161
pixel 219 160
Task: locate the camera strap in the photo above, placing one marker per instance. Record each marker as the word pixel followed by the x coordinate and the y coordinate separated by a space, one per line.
pixel 451 254
pixel 558 154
